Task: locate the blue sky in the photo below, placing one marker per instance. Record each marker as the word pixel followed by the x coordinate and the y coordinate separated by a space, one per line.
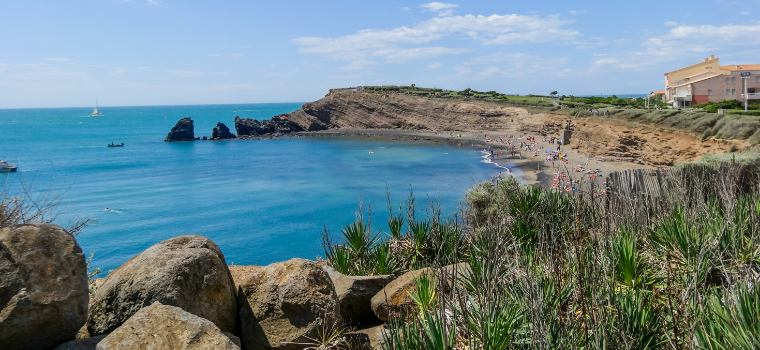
pixel 162 52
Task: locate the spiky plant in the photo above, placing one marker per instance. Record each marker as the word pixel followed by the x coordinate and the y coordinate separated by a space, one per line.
pixel 732 321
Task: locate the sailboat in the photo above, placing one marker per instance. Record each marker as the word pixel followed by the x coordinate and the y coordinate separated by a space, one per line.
pixel 95 113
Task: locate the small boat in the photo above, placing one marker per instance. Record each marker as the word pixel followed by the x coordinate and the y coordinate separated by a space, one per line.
pixel 95 112
pixel 7 168
pixel 116 145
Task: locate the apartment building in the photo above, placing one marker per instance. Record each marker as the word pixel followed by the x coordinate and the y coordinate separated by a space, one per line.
pixel 708 81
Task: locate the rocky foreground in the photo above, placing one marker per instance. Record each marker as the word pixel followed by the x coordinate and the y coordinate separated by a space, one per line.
pixel 180 294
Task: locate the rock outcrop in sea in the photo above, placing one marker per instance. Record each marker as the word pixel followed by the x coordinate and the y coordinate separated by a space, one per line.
pixel 253 128
pixel 43 287
pixel 182 131
pixel 222 132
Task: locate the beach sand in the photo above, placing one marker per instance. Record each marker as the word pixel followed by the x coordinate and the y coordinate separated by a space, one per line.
pixel 531 169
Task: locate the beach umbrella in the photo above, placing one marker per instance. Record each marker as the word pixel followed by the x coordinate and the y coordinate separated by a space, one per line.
pixel 549 151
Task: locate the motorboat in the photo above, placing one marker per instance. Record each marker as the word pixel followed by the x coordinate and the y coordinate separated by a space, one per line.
pixel 7 168
pixel 116 144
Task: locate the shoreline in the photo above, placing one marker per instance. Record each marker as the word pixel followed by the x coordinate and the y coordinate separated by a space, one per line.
pixel 531 169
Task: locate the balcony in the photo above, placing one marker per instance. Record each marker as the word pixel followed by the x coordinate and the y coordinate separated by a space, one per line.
pixel 753 96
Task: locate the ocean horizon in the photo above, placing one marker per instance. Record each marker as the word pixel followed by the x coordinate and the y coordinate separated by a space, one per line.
pixel 261 201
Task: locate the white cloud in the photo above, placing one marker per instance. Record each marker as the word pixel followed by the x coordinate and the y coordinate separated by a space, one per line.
pixel 671 24
pixel 463 70
pixel 746 13
pixel 185 73
pixel 435 65
pixel 359 64
pixel 487 30
pixel 214 55
pixel 689 39
pixel 439 7
pixel 575 12
pixel 488 72
pixel 58 59
pixel 236 55
pixel 154 2
pixel 3 67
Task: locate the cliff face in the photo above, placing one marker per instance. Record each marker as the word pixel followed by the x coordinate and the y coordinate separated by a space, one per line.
pixel 358 110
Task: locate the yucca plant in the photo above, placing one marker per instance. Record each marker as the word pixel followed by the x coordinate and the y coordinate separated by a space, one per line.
pixel 499 325
pixel 733 321
pixel 424 295
pixel 631 269
pixel 429 332
pixel 418 240
pixel 639 320
pixel 395 225
pixel 341 259
pixel 385 263
pixel 358 239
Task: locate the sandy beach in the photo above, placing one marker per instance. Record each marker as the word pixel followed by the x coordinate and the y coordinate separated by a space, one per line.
pixel 574 169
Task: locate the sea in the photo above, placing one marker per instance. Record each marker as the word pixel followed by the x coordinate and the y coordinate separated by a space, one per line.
pixel 261 201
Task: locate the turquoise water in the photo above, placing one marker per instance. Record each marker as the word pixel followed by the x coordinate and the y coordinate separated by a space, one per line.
pixel 260 201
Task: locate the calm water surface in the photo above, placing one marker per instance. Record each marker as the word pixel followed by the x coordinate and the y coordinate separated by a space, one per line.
pixel 260 201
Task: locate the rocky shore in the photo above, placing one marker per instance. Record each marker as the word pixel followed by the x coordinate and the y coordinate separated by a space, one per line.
pixel 181 294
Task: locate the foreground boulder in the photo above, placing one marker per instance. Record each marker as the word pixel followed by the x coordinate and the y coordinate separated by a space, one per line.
pixel 43 287
pixel 160 327
pixel 82 344
pixel 284 302
pixel 394 298
pixel 184 130
pixel 187 271
pixel 355 295
pixel 221 132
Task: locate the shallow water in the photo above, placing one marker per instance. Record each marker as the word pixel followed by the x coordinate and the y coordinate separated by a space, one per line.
pixel 260 201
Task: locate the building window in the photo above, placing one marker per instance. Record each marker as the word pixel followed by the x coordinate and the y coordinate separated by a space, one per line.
pixel 733 91
pixel 757 79
pixel 733 80
pixel 728 91
pixel 709 92
pixel 728 80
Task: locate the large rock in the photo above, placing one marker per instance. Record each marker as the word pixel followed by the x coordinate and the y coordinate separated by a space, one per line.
pixel 163 327
pixel 394 298
pixel 355 295
pixel 183 131
pixel 43 287
pixel 221 132
pixel 82 344
pixel 284 302
pixel 187 271
pixel 252 127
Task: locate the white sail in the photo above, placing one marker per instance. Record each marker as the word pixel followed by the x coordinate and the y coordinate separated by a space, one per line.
pixel 95 112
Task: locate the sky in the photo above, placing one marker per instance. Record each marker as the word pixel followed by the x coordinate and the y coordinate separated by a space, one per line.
pixel 169 52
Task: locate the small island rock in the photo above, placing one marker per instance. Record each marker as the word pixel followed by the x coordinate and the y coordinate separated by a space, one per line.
pixel 43 287
pixel 221 132
pixel 159 327
pixel 182 131
pixel 186 271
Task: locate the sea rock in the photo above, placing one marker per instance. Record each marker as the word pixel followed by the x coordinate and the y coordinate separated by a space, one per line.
pixel 355 295
pixel 43 287
pixel 183 131
pixel 221 132
pixel 187 271
pixel 82 344
pixel 284 302
pixel 252 127
pixel 159 327
pixel 394 298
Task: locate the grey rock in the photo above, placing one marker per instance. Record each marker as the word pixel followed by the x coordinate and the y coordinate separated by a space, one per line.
pixel 355 295
pixel 187 271
pixel 284 302
pixel 160 327
pixel 82 344
pixel 182 131
pixel 394 298
pixel 221 132
pixel 43 287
